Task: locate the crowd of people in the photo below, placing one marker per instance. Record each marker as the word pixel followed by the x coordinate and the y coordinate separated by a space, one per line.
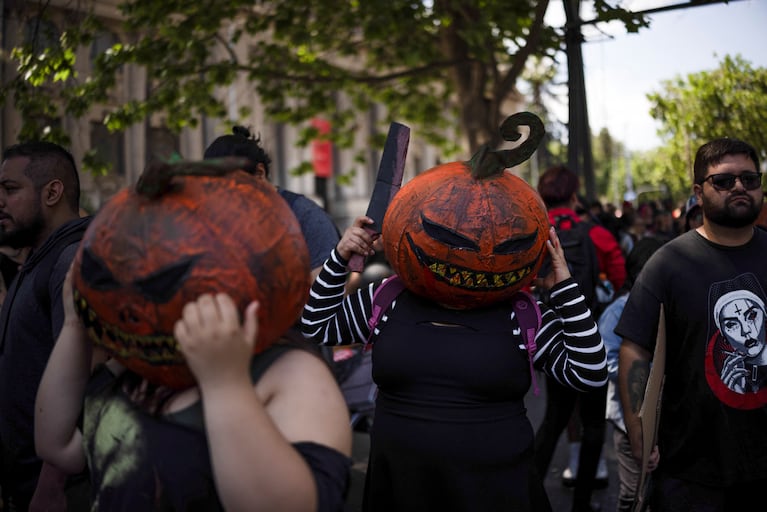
pixel 271 430
pixel 657 218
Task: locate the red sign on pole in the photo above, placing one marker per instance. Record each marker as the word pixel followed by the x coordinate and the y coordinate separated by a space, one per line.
pixel 322 150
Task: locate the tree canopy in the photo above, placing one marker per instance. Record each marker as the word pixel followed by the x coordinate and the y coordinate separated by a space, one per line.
pixel 728 101
pixel 428 62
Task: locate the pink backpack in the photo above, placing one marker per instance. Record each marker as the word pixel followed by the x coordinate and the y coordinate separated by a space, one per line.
pixel 525 308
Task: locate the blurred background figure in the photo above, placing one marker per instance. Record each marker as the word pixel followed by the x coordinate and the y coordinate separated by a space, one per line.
pixel 319 230
pixel 580 414
pixel 761 221
pixel 692 214
pixel 663 225
pixel 10 263
pixel 628 468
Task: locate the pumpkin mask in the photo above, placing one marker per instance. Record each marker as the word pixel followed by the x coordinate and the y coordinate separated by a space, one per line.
pixel 470 234
pixel 187 229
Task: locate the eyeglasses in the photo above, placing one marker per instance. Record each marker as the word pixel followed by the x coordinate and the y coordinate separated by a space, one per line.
pixel 725 180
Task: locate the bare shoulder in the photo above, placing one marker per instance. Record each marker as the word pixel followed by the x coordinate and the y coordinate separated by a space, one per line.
pixel 300 375
pixel 298 361
pixel 303 398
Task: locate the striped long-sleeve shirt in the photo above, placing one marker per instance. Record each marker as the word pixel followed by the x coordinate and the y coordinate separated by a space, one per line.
pixel 570 348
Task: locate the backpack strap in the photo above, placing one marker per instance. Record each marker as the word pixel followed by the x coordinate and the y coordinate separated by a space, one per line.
pixel 384 295
pixel 563 218
pixel 529 317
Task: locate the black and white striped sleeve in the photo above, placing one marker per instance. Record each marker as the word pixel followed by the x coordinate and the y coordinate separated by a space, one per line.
pixel 332 318
pixel 570 348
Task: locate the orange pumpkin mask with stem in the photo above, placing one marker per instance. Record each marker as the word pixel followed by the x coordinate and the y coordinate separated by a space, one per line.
pixel 187 229
pixel 470 234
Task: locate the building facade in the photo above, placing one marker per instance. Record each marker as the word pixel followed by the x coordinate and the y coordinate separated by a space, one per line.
pixel 128 152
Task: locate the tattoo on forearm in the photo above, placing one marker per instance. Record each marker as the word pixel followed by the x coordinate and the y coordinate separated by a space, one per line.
pixel 638 375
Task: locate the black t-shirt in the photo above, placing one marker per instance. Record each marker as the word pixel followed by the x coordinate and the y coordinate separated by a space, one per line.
pixel 713 426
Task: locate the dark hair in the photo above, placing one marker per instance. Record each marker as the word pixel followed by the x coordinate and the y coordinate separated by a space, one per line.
pixel 240 143
pixel 49 161
pixel 638 257
pixel 557 185
pixel 712 152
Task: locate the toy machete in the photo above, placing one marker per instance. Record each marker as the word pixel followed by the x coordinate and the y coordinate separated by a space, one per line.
pixel 388 181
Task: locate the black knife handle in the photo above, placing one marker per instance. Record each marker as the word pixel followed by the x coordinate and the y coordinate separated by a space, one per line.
pixel 357 261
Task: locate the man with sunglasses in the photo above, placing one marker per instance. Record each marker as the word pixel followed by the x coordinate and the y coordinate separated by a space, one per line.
pixel 711 452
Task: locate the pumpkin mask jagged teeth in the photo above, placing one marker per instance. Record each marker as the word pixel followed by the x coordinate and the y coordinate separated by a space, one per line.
pixel 469 279
pixel 159 349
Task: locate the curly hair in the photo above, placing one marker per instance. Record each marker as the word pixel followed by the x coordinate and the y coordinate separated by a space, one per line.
pixel 240 143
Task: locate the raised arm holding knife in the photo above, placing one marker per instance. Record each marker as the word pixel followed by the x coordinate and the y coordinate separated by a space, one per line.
pixel 388 182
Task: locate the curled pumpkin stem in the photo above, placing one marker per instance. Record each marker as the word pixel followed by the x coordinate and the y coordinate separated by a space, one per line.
pixel 487 162
pixel 157 177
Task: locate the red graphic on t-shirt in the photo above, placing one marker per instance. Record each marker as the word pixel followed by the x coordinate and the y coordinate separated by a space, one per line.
pixel 717 352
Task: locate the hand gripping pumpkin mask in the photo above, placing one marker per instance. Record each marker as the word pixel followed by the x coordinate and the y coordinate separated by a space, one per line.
pixel 470 234
pixel 187 229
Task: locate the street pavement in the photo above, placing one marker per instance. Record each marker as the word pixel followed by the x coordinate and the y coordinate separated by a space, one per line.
pixel 559 495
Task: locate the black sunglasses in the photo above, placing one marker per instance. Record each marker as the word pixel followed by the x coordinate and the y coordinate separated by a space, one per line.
pixel 725 180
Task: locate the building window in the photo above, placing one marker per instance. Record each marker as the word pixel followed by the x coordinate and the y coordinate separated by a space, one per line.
pixel 108 148
pixel 161 144
pixel 103 42
pixel 41 34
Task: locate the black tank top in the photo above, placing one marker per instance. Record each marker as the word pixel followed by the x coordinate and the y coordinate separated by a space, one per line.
pixel 140 461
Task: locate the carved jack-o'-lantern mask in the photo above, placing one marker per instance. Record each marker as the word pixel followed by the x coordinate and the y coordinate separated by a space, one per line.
pixel 179 234
pixel 470 234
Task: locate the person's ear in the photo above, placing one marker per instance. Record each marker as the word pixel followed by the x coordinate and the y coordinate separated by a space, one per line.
pixel 574 202
pixel 261 171
pixel 697 189
pixel 52 192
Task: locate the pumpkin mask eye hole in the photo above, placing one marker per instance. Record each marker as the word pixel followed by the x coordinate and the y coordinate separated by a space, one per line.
pixel 160 286
pixel 96 273
pixel 447 236
pixel 516 244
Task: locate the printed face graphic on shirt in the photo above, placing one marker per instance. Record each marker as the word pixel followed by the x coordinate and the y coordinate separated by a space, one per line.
pixel 736 359
pixel 741 321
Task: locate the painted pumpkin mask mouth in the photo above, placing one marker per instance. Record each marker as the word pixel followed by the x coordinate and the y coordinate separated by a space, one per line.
pixel 466 278
pixel 154 349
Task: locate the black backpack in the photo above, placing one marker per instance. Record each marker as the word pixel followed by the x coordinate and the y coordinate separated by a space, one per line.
pixel 581 256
